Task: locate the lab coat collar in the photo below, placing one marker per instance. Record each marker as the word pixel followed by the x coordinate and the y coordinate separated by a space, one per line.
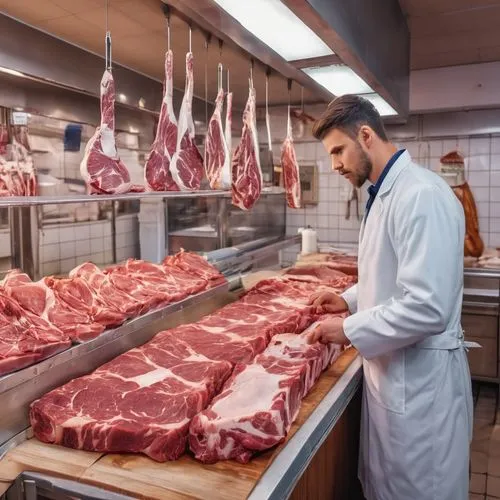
pixel 401 163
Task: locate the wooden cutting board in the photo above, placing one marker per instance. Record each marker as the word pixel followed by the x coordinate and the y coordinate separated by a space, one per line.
pixel 141 477
pixel 187 478
pixel 36 456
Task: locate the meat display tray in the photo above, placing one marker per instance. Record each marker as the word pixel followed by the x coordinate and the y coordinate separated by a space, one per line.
pixel 19 389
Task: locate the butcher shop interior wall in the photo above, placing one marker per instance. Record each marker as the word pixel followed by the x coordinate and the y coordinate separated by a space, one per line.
pixel 474 134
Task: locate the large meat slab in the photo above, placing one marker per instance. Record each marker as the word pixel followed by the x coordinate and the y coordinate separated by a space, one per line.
pixel 144 400
pixel 260 401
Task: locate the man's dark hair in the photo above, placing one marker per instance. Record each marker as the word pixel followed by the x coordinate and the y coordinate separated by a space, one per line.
pixel 348 113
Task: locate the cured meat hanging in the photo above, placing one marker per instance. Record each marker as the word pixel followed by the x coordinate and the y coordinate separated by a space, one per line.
pixel 157 169
pixel 186 166
pixel 246 169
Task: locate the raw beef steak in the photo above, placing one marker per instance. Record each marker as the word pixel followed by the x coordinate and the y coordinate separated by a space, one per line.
pixel 111 297
pixel 101 167
pixel 26 338
pixel 142 401
pixel 40 299
pixel 260 401
pixel 196 265
pixel 157 170
pixel 186 166
pixel 246 170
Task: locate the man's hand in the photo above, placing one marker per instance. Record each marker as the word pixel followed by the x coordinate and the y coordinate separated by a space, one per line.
pixel 328 302
pixel 328 330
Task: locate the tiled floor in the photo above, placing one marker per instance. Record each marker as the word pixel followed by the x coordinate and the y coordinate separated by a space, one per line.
pixel 485 449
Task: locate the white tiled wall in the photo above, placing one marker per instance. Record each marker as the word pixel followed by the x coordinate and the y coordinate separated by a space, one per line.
pixel 328 217
pixel 65 246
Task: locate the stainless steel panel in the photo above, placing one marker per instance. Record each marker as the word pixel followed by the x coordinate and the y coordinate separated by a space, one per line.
pixel 28 201
pixel 24 238
pixel 18 390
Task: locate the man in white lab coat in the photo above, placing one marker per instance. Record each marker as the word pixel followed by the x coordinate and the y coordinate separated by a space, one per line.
pixel 417 402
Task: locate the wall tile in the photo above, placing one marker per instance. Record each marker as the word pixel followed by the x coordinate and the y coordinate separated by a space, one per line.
pixel 477 163
pixel 479 146
pixel 481 194
pixel 483 208
pixel 495 194
pixel 49 235
pixel 436 148
pixel 51 252
pixel 495 145
pixel 484 225
pixel 67 265
pixel 495 224
pixel 50 268
pixel 82 248
pixel 495 163
pixel 82 232
pixel 66 234
pixel 495 178
pixel 67 250
pixel 479 178
pixel 96 245
pixel 494 240
pixel 96 230
pixel 494 209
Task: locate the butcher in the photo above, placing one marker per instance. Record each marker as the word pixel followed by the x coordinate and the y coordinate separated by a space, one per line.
pixel 405 314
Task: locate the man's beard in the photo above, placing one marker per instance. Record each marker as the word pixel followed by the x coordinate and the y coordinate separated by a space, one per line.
pixel 364 169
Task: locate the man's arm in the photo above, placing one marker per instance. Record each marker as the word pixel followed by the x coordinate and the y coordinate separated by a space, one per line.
pixel 426 238
pixel 351 297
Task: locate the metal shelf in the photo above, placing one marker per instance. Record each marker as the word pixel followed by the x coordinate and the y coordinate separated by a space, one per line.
pixel 31 201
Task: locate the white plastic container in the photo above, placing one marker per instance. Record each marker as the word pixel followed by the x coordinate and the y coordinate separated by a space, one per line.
pixel 309 241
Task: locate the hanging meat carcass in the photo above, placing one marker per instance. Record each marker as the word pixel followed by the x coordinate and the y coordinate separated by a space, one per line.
pixel 217 154
pixel 246 170
pixel 101 167
pixel 290 168
pixel 157 170
pixel 186 166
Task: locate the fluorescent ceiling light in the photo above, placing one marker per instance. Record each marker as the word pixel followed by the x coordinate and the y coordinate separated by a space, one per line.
pixel 278 27
pixel 382 106
pixel 339 79
pixel 11 71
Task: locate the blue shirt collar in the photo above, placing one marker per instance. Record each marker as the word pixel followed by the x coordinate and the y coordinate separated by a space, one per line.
pixel 374 189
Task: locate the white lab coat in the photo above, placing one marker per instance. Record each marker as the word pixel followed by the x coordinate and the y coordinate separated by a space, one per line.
pixel 417 400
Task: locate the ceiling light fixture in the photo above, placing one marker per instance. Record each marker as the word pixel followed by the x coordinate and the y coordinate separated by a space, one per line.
pixel 12 72
pixel 381 105
pixel 277 26
pixel 339 79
